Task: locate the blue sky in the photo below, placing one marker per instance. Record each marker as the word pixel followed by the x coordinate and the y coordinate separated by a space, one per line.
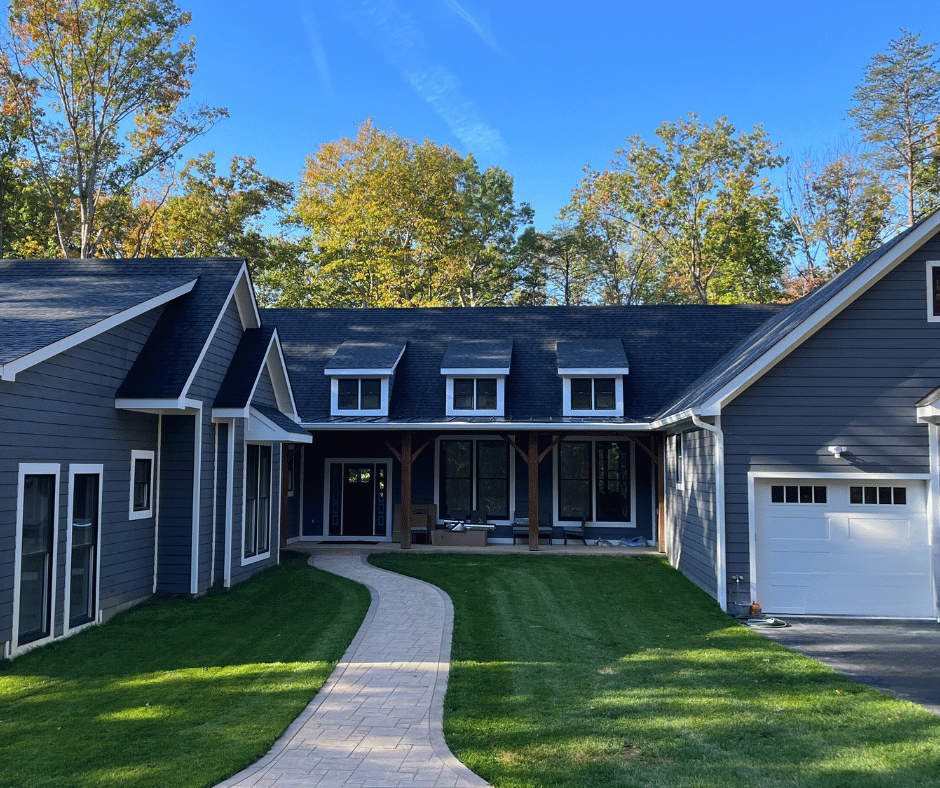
pixel 539 89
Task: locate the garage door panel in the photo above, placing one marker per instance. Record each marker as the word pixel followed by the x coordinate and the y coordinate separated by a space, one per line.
pixel 836 558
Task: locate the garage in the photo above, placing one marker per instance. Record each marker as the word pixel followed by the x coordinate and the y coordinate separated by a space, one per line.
pixel 852 547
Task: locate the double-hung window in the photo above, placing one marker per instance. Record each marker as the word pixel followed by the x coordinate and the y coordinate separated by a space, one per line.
pixel 257 500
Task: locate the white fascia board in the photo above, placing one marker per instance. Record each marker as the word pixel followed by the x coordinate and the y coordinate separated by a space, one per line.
pixel 277 369
pixel 226 414
pixel 359 373
pixel 675 418
pixel 819 318
pixel 491 426
pixel 180 405
pixel 8 371
pixel 592 372
pixel 928 414
pixel 261 428
pixel 478 372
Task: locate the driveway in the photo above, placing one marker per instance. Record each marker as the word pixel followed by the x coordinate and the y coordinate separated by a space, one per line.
pixel 900 657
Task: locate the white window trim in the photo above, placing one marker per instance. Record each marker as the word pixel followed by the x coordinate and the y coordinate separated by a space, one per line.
pixel 143 513
pixel 74 470
pixel 567 410
pixel 595 523
pixel 500 408
pixel 29 469
pixel 678 455
pixel 928 286
pixel 474 439
pixel 382 410
pixel 389 505
pixel 247 561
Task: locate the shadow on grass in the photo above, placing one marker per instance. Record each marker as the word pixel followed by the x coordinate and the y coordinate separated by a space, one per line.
pixel 176 692
pixel 605 671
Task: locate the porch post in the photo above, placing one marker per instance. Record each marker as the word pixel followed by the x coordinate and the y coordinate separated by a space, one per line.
pixel 533 461
pixel 661 494
pixel 406 491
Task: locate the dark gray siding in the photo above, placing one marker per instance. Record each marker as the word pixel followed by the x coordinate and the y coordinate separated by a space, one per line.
pixel 62 410
pixel 264 391
pixel 854 383
pixel 176 504
pixel 691 530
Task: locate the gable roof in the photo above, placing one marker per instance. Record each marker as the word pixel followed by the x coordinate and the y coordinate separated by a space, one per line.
pixel 493 356
pixel 355 357
pixel 669 347
pixel 48 306
pixel 778 336
pixel 594 356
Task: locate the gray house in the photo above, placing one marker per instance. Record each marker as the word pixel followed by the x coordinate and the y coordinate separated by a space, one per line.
pixel 160 432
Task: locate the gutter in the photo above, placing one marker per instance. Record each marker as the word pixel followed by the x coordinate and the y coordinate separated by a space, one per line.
pixel 721 569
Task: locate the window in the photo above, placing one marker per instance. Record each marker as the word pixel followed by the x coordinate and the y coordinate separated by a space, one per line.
pixel 474 474
pixel 257 500
pixel 595 481
pixel 798 493
pixel 896 496
pixel 83 537
pixel 359 394
pixel 680 481
pixel 38 522
pixel 141 503
pixel 593 395
pixel 933 291
pixel 474 393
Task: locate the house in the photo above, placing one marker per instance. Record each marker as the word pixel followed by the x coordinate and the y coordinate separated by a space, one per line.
pixel 143 409
pixel 160 432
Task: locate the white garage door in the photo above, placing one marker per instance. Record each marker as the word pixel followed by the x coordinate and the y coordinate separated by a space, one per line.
pixel 843 547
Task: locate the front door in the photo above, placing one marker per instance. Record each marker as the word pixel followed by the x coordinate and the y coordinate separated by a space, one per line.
pixel 357 499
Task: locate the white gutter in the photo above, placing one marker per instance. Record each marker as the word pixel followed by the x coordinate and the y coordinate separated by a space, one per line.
pixel 504 426
pixel 721 569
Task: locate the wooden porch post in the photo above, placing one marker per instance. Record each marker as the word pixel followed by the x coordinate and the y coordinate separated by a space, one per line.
pixel 533 461
pixel 406 459
pixel 661 494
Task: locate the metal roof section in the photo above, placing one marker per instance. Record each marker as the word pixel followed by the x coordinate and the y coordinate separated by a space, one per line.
pixel 355 357
pixel 477 356
pixel 594 356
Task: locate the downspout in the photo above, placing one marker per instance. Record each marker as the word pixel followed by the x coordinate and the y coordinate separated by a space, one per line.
pixel 721 570
pixel 156 494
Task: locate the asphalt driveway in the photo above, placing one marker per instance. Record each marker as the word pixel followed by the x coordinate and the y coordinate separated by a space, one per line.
pixel 900 657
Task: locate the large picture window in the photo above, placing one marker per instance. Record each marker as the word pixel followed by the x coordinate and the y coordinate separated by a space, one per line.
pixel 36 556
pixel 595 481
pixel 474 474
pixel 257 500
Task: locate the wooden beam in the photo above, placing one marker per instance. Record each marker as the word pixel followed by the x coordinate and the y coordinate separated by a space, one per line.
pixel 414 455
pixel 406 491
pixel 511 442
pixel 558 439
pixel 636 442
pixel 393 450
pixel 533 461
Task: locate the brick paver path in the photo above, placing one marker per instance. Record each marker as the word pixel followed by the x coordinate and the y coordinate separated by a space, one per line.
pixel 377 722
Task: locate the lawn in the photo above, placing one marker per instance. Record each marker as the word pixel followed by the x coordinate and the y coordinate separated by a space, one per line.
pixel 176 692
pixel 607 671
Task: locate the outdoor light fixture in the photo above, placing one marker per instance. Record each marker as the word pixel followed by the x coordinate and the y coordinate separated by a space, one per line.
pixel 837 451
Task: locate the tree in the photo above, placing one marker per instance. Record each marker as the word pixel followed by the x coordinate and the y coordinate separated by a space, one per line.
pixel 896 109
pixel 99 85
pixel 840 211
pixel 393 222
pixel 699 202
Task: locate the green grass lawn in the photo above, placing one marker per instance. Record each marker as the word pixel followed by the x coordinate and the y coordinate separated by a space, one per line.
pixel 176 692
pixel 607 671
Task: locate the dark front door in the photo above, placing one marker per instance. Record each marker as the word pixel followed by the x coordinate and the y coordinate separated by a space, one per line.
pixel 358 500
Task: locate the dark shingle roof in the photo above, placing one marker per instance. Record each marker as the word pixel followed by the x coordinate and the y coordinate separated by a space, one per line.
pixel 597 353
pixel 45 301
pixel 478 354
pixel 359 354
pixel 669 347
pixel 281 420
pixel 164 365
pixel 244 368
pixel 751 348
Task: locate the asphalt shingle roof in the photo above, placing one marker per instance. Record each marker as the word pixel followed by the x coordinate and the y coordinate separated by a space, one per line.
pixel 360 354
pixel 244 368
pixel 669 347
pixel 478 354
pixel 45 301
pixel 597 353
pixel 281 420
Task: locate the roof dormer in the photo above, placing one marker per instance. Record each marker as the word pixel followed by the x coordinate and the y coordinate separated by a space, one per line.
pixel 361 376
pixel 476 373
pixel 592 373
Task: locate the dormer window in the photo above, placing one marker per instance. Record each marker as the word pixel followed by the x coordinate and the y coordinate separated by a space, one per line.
pixel 592 373
pixel 362 375
pixel 476 373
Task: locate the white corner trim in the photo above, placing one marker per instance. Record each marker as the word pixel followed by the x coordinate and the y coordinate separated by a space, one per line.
pixel 721 559
pixel 229 503
pixel 9 370
pixel 819 318
pixel 197 503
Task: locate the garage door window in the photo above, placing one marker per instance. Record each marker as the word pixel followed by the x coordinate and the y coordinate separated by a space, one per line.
pixel 896 496
pixel 797 493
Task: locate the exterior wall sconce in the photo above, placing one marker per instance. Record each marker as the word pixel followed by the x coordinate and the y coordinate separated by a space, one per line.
pixel 837 451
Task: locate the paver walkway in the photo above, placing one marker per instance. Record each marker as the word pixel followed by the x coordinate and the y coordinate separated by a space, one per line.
pixel 377 722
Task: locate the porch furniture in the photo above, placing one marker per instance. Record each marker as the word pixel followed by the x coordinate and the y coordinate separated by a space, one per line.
pixel 520 527
pixel 423 520
pixel 456 517
pixel 574 530
pixel 475 537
